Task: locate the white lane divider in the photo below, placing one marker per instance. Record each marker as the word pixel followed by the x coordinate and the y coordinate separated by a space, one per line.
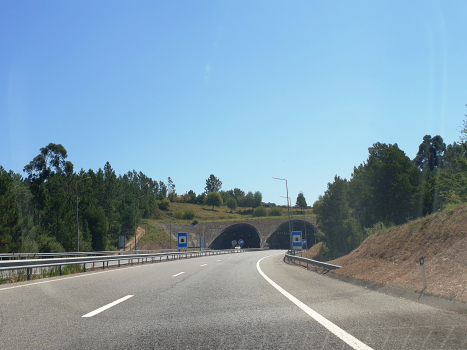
pixel 108 306
pixel 178 274
pixel 350 340
pixel 203 265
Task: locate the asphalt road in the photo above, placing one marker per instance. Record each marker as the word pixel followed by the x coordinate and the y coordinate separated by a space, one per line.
pixel 217 302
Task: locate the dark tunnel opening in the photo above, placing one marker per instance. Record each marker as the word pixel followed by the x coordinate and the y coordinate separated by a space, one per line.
pixel 248 233
pixel 280 238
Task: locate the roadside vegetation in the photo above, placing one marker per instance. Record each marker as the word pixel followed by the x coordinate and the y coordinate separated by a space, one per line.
pixel 390 189
pixel 38 210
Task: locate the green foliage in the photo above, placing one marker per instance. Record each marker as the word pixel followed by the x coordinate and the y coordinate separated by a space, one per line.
pixel 231 204
pixel 195 222
pixel 276 211
pixel 385 189
pixel 301 201
pixel 49 245
pixel 178 215
pixel 213 184
pixel 98 226
pixel 192 196
pixel 9 222
pixel 189 214
pixel 257 199
pixel 430 153
pixel 164 204
pixel 214 199
pixel 201 198
pixel 260 211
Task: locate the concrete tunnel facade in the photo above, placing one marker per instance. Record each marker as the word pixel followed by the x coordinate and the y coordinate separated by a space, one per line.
pixel 257 233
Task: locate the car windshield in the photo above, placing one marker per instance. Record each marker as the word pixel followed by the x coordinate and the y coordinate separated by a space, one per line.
pixel 233 174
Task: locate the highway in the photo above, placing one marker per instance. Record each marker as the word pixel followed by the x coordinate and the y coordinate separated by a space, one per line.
pixel 250 300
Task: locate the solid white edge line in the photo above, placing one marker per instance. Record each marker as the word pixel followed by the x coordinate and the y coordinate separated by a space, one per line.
pixel 178 274
pixel 83 274
pixel 108 306
pixel 350 340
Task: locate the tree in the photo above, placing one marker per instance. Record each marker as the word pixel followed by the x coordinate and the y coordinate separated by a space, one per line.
pixel 162 190
pixel 257 199
pixel 214 199
pixel 201 198
pixel 463 131
pixel 9 228
pixel 231 204
pixel 97 224
pixel 170 186
pixel 238 193
pixel 430 152
pixel 213 184
pixel 192 196
pixel 301 201
pixel 50 161
pixel 393 182
pixel 248 200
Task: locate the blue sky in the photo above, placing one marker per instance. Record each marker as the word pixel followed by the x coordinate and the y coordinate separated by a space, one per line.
pixel 244 90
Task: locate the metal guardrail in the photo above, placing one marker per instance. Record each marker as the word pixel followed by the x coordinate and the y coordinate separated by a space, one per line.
pixel 30 264
pixel 311 262
pixel 11 256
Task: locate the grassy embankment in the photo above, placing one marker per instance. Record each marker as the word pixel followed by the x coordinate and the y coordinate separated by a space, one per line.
pixel 391 257
pixel 205 213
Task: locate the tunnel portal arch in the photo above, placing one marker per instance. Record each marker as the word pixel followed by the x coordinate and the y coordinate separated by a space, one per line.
pixel 280 238
pixel 247 232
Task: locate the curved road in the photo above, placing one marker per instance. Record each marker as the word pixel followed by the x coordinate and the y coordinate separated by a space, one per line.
pixel 233 301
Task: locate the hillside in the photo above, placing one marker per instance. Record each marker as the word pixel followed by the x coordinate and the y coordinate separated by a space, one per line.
pixel 204 213
pixel 392 257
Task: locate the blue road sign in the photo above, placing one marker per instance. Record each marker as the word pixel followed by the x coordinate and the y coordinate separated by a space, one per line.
pixel 297 239
pixel 182 240
pixel 241 242
pixel 303 241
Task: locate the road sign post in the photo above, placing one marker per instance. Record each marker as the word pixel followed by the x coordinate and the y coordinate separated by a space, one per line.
pixel 296 240
pixel 182 240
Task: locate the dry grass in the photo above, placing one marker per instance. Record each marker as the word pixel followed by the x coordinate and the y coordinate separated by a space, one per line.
pixel 206 214
pixel 392 257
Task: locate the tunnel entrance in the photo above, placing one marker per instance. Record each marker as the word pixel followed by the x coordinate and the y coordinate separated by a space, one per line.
pixel 248 233
pixel 280 238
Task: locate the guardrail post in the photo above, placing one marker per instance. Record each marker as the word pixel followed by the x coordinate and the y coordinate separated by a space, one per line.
pixel 60 270
pixel 28 272
pixel 119 263
pixel 84 267
pixel 103 265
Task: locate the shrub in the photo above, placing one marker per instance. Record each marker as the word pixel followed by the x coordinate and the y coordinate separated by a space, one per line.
pixel 164 204
pixel 276 211
pixel 195 222
pixel 189 214
pixel 260 211
pixel 178 215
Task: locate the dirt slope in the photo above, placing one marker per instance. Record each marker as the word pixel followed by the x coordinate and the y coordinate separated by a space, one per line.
pixel 392 257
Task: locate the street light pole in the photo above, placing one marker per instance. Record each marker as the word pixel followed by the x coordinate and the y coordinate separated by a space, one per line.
pixel 135 217
pixel 288 209
pixel 77 216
